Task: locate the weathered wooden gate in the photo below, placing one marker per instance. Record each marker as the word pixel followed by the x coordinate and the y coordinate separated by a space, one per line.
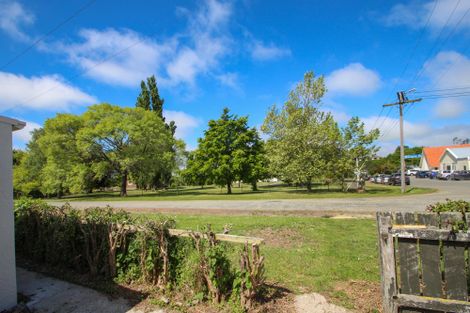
pixel 424 262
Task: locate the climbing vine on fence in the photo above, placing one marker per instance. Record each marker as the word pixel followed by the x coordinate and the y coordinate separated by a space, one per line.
pixel 112 244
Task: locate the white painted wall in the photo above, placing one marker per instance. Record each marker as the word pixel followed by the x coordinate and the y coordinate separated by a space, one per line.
pixel 7 231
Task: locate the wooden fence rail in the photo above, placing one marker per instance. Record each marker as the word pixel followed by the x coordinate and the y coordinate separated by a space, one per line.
pixel 424 262
pixel 220 237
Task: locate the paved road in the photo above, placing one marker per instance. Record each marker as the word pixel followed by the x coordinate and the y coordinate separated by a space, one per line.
pixel 447 189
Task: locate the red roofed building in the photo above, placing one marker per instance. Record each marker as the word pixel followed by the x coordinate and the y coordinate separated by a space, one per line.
pixel 431 156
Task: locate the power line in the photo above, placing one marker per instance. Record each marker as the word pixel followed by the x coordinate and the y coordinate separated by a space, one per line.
pixel 445 89
pixel 421 71
pixel 413 51
pixel 36 42
pixel 89 68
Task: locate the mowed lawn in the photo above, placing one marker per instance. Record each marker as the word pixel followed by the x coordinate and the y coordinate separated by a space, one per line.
pixel 304 254
pixel 266 191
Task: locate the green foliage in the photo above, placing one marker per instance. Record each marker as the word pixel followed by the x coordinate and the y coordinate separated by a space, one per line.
pixel 229 151
pixel 391 163
pixel 305 143
pixel 450 206
pixel 110 244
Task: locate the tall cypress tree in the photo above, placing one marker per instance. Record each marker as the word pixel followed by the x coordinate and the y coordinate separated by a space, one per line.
pixel 150 100
pixel 157 102
pixel 143 100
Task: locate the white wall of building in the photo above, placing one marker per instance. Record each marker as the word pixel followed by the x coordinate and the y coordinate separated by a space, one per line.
pixel 7 233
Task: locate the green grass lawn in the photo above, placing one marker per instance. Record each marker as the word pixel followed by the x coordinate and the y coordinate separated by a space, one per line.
pixel 266 191
pixel 304 254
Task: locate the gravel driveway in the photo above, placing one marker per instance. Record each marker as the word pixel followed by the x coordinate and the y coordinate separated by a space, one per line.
pixel 447 189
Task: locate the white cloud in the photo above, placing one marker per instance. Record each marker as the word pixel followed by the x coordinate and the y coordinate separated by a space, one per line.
pixel 130 56
pixel 39 93
pixel 23 136
pixel 13 17
pixel 353 79
pixel 450 108
pixel 448 69
pixel 185 123
pixel 416 134
pixel 266 52
pixel 390 130
pixel 415 14
pixel 230 80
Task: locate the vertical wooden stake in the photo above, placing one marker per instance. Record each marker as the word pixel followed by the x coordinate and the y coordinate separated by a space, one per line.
pixel 387 262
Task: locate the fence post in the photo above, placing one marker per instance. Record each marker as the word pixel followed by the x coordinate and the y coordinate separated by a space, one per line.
pixel 387 260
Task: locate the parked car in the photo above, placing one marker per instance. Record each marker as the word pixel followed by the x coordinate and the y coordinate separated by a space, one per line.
pixel 378 179
pixel 385 179
pixel 444 175
pixel 422 174
pixel 433 174
pixel 412 172
pixel 460 175
pixel 395 179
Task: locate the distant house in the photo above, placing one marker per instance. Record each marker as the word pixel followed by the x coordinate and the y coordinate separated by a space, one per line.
pixel 431 156
pixel 455 159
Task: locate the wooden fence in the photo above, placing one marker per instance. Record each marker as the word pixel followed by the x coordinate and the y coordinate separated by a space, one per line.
pixel 424 262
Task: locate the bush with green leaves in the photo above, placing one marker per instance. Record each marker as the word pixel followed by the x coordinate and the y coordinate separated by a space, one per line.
pixel 112 244
pixel 450 206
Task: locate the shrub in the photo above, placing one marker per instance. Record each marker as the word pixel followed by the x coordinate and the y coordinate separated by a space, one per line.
pixel 111 244
pixel 450 206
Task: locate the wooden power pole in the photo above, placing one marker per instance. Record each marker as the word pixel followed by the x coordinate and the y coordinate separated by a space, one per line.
pixel 402 101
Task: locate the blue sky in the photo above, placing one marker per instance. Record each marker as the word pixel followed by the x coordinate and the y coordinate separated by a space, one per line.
pixel 245 55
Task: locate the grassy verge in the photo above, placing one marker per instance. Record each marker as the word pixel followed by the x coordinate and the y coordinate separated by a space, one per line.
pixel 265 192
pixel 306 254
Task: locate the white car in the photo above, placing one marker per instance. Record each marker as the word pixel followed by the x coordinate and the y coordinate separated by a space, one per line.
pixel 444 175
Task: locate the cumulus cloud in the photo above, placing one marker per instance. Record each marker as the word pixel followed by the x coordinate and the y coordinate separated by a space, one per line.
pixel 265 52
pixel 129 56
pixel 415 14
pixel 390 130
pixel 416 134
pixel 40 93
pixel 13 17
pixel 353 79
pixel 229 79
pixel 448 69
pixel 185 123
pixel 450 108
pixel 23 136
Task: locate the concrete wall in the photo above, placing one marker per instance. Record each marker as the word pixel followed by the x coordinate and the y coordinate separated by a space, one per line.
pixel 7 236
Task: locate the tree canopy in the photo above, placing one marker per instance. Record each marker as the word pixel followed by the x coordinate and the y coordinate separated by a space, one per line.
pixel 229 151
pixel 305 144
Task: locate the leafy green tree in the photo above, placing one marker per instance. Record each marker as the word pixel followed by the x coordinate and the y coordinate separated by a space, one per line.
pixel 355 149
pixel 27 174
pixel 302 139
pixel 149 99
pixel 130 141
pixel 143 100
pixel 64 169
pixel 391 163
pixel 227 151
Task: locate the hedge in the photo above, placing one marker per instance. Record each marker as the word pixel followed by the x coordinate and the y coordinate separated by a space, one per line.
pixel 113 245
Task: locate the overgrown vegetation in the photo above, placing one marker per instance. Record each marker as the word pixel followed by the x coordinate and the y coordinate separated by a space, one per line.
pixel 450 206
pixel 114 245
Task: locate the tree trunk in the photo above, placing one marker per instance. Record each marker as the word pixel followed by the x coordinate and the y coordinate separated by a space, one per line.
pixel 229 187
pixel 308 184
pixel 124 184
pixel 254 186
